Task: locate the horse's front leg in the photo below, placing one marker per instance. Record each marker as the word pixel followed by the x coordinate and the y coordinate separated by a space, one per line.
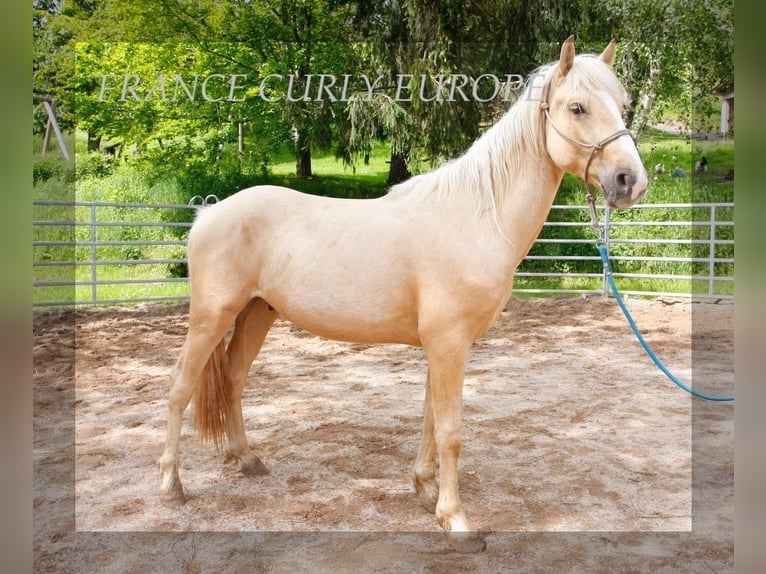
pixel 424 472
pixel 446 371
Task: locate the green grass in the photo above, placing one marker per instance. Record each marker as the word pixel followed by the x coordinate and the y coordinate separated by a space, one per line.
pixel 680 152
pixel 330 177
pixel 376 169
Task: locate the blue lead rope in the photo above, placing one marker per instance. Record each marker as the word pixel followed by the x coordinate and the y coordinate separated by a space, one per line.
pixel 608 270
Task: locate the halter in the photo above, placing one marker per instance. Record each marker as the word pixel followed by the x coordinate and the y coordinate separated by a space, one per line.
pixel 594 147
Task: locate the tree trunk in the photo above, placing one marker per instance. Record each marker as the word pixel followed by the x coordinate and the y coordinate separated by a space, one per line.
pixel 303 154
pixel 646 100
pixel 240 145
pixel 398 170
pixel 94 142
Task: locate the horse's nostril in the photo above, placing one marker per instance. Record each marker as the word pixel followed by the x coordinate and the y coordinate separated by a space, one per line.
pixel 624 181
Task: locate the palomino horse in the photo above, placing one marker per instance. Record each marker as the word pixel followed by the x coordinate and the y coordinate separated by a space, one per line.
pixel 429 264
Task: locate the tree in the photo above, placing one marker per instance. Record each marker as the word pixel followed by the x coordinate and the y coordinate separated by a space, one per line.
pixel 668 46
pixel 421 48
pixel 420 40
pixel 56 26
pixel 295 41
pixel 290 38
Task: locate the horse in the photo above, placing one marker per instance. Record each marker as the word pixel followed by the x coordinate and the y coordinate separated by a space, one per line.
pixel 429 264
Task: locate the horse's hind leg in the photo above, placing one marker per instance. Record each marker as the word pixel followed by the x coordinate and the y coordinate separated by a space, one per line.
pixel 250 330
pixel 201 340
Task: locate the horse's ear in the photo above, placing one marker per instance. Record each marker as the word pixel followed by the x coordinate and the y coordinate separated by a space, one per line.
pixel 607 56
pixel 567 55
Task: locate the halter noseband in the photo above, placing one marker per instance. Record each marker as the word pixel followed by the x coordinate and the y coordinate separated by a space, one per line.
pixel 594 147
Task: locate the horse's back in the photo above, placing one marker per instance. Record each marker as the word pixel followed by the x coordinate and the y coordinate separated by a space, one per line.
pixel 340 268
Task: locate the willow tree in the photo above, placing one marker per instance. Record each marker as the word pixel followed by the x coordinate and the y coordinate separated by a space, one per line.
pixel 434 46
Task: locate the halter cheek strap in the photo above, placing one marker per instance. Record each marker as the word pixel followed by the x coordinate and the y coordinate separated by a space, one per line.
pixel 594 147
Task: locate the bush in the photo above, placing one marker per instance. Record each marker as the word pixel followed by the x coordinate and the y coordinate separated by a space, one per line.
pixel 45 168
pixel 94 165
pixel 179 268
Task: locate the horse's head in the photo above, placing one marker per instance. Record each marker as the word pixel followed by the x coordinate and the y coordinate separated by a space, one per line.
pixel 584 131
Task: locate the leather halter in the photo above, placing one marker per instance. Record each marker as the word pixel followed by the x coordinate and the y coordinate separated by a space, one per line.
pixel 594 147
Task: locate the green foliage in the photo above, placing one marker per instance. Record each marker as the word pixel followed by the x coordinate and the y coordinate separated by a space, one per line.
pixel 710 187
pixel 49 167
pixel 134 181
pixel 670 52
pixel 671 56
pixel 94 165
pixel 180 268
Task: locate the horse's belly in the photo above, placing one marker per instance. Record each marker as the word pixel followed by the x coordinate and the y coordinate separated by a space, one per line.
pixel 351 286
pixel 357 324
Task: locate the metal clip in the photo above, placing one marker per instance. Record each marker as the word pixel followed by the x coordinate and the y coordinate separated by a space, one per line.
pixel 595 225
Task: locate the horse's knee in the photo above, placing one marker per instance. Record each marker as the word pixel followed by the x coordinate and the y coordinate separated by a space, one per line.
pixel 448 445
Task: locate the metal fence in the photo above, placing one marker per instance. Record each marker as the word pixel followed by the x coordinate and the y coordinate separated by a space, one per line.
pixel 656 250
pixel 89 253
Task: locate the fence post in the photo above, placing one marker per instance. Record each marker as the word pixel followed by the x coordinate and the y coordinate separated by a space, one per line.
pixel 711 264
pixel 93 254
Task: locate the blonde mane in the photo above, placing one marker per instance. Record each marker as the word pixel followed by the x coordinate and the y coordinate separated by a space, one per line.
pixel 513 144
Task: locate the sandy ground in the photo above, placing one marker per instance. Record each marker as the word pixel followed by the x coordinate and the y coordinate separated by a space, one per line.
pixel 578 454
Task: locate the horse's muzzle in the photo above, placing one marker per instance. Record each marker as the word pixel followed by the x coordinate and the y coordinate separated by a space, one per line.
pixel 625 187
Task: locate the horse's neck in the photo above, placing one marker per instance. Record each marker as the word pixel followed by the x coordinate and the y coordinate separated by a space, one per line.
pixel 505 182
pixel 518 183
pixel 526 203
pixel 518 189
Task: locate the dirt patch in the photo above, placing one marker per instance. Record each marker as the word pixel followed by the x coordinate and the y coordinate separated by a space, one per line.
pixel 575 447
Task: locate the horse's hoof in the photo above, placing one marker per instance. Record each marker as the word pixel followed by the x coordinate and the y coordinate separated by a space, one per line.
pixel 467 542
pixel 254 468
pixel 172 499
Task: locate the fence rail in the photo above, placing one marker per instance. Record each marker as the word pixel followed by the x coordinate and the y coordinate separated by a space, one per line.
pixel 89 253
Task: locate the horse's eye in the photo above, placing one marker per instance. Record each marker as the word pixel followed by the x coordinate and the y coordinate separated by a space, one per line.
pixel 576 109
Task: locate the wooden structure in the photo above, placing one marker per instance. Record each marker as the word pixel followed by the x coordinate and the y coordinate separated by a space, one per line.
pixel 50 108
